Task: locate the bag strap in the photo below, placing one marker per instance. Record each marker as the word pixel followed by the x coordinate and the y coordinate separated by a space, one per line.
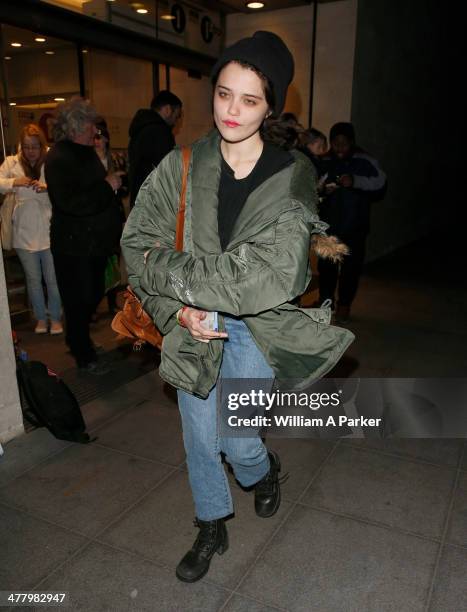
pixel 186 156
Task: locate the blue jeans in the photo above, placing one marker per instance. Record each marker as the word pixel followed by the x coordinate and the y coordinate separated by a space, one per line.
pixel 203 443
pixel 37 264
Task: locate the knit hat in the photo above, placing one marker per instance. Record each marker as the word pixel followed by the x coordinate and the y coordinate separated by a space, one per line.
pixel 268 53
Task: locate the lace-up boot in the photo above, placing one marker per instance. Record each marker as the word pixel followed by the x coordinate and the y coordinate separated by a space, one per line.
pixel 212 537
pixel 267 490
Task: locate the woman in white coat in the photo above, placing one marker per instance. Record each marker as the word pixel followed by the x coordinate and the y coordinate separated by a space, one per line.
pixel 22 178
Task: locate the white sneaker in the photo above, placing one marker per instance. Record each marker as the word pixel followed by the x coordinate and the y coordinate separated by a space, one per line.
pixel 41 327
pixel 56 328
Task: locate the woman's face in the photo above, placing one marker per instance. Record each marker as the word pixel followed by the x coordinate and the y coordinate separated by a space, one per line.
pixel 31 148
pixel 240 105
pixel 317 147
pixel 100 143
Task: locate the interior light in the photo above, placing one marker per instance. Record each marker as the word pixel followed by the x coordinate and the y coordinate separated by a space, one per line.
pixel 168 17
pixel 50 52
pixel 39 39
pixel 142 11
pixel 255 5
pixel 84 51
pixel 16 44
pixel 7 57
pixel 12 103
pixel 59 99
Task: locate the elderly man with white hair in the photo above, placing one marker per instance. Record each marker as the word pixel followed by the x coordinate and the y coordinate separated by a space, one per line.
pixel 85 226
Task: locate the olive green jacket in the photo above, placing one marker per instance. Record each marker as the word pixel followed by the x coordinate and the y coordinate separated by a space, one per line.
pixel 263 270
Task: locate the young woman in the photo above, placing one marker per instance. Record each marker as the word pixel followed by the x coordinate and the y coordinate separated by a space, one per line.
pixel 250 212
pixel 314 145
pixel 23 176
pixel 104 153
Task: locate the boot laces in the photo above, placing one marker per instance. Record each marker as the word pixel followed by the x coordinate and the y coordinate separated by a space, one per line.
pixel 206 536
pixel 272 479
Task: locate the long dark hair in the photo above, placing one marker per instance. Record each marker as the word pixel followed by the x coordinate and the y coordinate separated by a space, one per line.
pixel 276 130
pixel 33 131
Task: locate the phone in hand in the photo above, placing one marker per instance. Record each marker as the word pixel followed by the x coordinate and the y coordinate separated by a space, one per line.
pixel 211 322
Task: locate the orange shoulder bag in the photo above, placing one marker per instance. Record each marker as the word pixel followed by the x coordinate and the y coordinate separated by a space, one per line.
pixel 133 321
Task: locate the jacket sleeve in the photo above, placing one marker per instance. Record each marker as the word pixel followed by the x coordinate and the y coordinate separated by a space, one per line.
pixel 252 278
pixel 153 220
pixel 68 195
pixel 6 180
pixel 376 179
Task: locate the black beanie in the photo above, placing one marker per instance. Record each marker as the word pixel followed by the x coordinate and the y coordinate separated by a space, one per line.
pixel 268 53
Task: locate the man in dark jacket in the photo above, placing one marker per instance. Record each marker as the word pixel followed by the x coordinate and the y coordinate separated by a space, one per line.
pixel 85 226
pixel 151 138
pixel 352 180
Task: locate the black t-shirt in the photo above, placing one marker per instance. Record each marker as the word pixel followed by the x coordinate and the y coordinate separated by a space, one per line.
pixel 233 192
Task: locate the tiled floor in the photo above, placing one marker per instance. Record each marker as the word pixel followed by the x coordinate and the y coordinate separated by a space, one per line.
pixel 365 525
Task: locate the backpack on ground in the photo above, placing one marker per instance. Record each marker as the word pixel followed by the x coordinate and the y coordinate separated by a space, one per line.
pixel 48 402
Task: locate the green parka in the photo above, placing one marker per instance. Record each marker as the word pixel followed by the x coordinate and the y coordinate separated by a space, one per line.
pixel 263 270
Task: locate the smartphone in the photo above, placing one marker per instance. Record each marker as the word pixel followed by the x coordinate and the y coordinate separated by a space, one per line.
pixel 211 321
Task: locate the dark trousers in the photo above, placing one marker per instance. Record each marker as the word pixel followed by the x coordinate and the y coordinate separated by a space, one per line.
pixel 344 276
pixel 80 281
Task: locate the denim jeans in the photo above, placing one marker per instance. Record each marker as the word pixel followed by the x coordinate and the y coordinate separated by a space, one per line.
pixel 37 264
pixel 203 443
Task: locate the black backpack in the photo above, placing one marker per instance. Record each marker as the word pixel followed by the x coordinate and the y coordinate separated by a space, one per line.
pixel 48 402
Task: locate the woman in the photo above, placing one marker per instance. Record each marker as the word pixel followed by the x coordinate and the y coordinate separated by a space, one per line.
pixel 314 145
pixel 85 226
pixel 104 153
pixel 249 215
pixel 22 175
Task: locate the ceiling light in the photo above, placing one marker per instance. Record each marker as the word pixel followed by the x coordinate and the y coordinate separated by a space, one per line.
pixel 142 11
pixel 7 57
pixel 39 39
pixel 12 103
pixel 255 5
pixel 168 17
pixel 59 99
pixel 16 44
pixel 84 51
pixel 50 52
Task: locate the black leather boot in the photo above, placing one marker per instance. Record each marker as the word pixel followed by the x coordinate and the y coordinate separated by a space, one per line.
pixel 267 490
pixel 212 538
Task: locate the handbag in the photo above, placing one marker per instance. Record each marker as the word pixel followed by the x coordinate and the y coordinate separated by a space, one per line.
pixel 133 321
pixel 112 273
pixel 6 223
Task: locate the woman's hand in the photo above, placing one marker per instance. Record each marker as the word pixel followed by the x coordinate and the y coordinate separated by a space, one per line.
pixel 22 181
pixel 115 180
pixel 191 318
pixel 38 186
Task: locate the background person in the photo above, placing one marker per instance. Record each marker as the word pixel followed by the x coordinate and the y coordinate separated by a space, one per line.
pixel 251 209
pixel 151 138
pixel 86 223
pixel 353 179
pixel 104 153
pixel 314 145
pixel 22 175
